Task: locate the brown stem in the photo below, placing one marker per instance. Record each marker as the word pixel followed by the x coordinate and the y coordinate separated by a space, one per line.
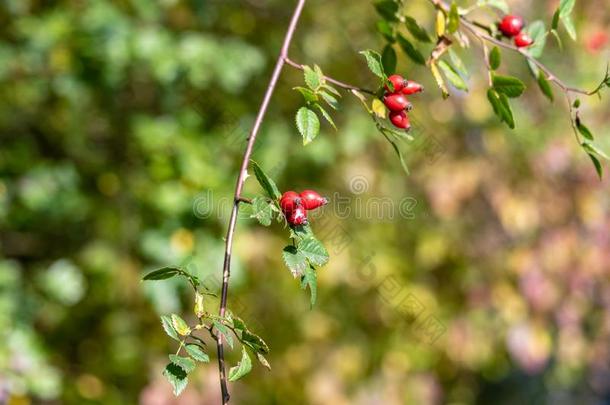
pixel 336 82
pixel 226 269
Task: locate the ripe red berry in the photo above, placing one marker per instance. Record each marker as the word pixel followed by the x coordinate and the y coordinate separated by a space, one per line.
pixel 511 25
pixel 395 102
pixel 523 40
pixel 412 87
pixel 290 200
pixel 297 217
pixel 398 82
pixel 312 200
pixel 400 120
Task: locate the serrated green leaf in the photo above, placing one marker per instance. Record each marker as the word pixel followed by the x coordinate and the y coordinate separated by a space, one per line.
pixel 314 251
pixel 454 18
pixel 166 322
pixel 162 274
pixel 373 59
pixel 309 95
pixel 331 89
pixel 326 115
pixel 508 85
pixel 253 341
pixel 177 377
pixel 312 78
pixel 329 99
pixel 262 210
pixel 224 331
pixel 584 131
pixel 294 260
pixel 309 279
pixel 265 182
pixel 410 50
pixel 389 59
pixel 243 367
pixel 452 75
pixel 416 30
pixel 536 30
pixel 545 86
pixel 387 9
pixel 185 363
pixel 197 353
pixel 495 58
pixel 308 124
pixel 180 325
pixel 598 166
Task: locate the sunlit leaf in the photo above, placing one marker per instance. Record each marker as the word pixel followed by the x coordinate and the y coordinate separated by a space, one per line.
pixel 243 367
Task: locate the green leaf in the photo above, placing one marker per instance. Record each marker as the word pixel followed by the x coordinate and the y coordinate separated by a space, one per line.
pixel 389 59
pixel 330 100
pixel 594 150
pixel 309 95
pixel 457 62
pixel 452 75
pixel 373 59
pixel 314 251
pixel 266 183
pixel 253 341
pixel 177 377
pixel 385 29
pixel 545 86
pixel 295 260
pixel 185 363
pixel 555 22
pixel 180 326
pixel 410 50
pixel 387 9
pixel 499 4
pixel 396 150
pixel 537 31
pixel 262 210
pixel 416 30
pixel 565 15
pixel 326 115
pixel 166 321
pixel 495 58
pixel 243 367
pixel 312 79
pixel 308 124
pixel 501 107
pixel 569 26
pixel 162 274
pixel 584 131
pixel 598 166
pixel 196 352
pixel 508 85
pixel 454 18
pixel 224 331
pixel 310 280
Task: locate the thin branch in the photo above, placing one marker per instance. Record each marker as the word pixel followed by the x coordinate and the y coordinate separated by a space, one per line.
pixel 336 82
pixel 226 270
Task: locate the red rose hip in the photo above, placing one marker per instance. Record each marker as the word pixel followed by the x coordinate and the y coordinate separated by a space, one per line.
pixel 290 200
pixel 412 87
pixel 522 40
pixel 297 217
pixel 396 102
pixel 397 81
pixel 400 120
pixel 312 200
pixel 511 25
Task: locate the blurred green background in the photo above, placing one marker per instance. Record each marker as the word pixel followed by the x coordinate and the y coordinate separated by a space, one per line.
pixel 484 277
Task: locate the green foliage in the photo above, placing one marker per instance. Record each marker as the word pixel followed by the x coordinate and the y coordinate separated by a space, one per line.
pixel 308 124
pixel 243 367
pixel 565 15
pixel 508 85
pixel 373 60
pixel 265 182
pixel 495 58
pixel 197 353
pixel 452 75
pixel 410 50
pixel 416 30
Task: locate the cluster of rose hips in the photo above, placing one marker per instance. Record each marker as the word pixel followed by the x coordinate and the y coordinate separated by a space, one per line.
pixel 295 205
pixel 396 101
pixel 512 27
